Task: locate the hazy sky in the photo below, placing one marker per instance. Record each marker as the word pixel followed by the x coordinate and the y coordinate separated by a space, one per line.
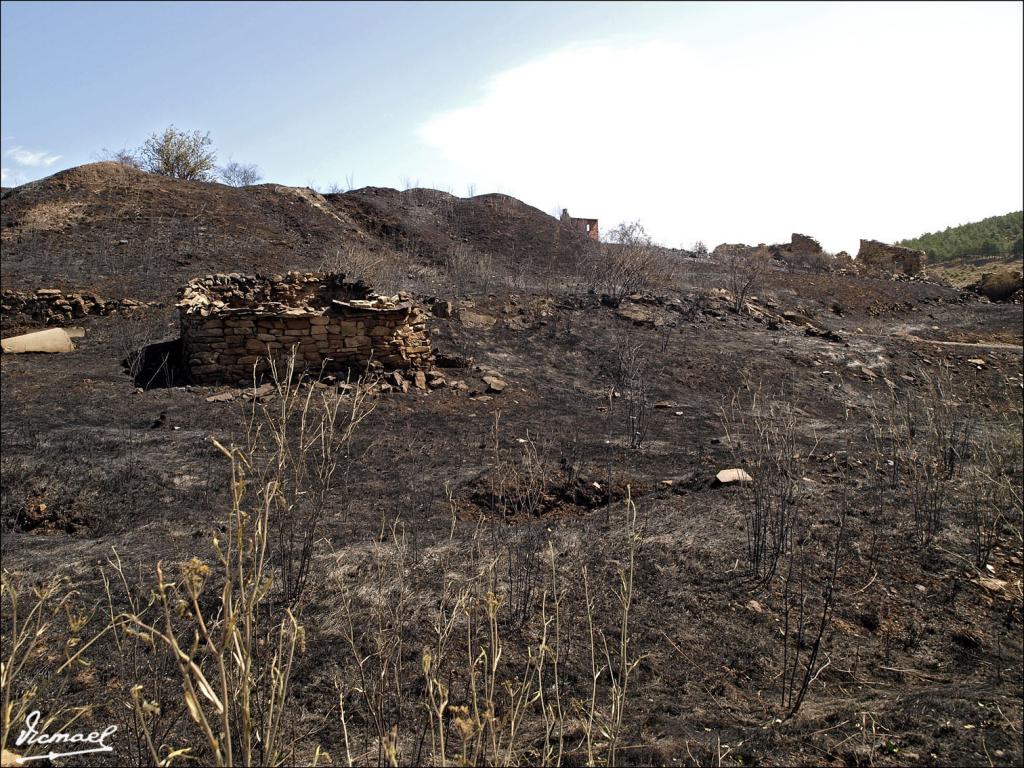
pixel 719 122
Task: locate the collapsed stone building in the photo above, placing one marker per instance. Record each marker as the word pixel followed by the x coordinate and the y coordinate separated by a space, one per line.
pixel 586 227
pixel 804 244
pixel 799 247
pixel 231 323
pixel 890 258
pixel 804 250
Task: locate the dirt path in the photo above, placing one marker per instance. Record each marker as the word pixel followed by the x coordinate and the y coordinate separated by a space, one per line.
pixel 975 344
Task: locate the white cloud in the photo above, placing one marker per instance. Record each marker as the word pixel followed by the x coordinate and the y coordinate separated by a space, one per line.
pixel 30 158
pixel 862 130
pixel 12 177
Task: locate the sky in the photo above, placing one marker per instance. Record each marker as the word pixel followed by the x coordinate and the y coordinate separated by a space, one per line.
pixel 719 122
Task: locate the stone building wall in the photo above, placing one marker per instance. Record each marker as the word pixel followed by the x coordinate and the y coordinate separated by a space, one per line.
pixel 231 323
pixel 726 250
pixel 804 244
pixel 588 227
pixel 890 258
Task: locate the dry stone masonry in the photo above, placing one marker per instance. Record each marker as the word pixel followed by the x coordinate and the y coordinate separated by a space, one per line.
pixel 52 306
pixel 890 258
pixel 231 323
pixel 804 244
pixel 588 227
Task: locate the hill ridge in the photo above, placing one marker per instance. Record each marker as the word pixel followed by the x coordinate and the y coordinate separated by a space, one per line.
pixel 120 231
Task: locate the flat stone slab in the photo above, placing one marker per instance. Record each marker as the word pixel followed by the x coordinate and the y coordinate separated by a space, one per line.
pixel 728 476
pixel 50 340
pixel 494 384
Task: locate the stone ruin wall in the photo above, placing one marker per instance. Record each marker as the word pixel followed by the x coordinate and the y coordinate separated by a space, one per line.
pixel 51 306
pixel 890 258
pixel 804 244
pixel 588 227
pixel 726 250
pixel 231 323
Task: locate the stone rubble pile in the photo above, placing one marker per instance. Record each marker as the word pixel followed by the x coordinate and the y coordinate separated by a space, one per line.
pixel 51 306
pixel 398 382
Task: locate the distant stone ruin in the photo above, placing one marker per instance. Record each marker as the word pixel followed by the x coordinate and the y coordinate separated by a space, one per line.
pixel 800 247
pixel 727 250
pixel 890 258
pixel 804 244
pixel 587 227
pixel 231 323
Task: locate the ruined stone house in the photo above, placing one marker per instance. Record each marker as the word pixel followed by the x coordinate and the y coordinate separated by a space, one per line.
pixel 799 247
pixel 890 258
pixel 804 244
pixel 586 227
pixel 233 323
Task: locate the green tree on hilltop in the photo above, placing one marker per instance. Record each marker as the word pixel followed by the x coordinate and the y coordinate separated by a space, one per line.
pixel 994 236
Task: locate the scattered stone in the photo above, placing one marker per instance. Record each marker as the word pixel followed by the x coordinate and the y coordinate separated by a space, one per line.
pixel 635 314
pixel 494 384
pixel 420 380
pixel 223 397
pixel 978 361
pixel 867 372
pixel 261 393
pixel 472 319
pixel 482 398
pixel 729 476
pixel 993 584
pixel 823 333
pixel 398 381
pixel 795 317
pixel 755 606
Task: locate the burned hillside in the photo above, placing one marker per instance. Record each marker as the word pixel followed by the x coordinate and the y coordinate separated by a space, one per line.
pixel 621 515
pixel 124 233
